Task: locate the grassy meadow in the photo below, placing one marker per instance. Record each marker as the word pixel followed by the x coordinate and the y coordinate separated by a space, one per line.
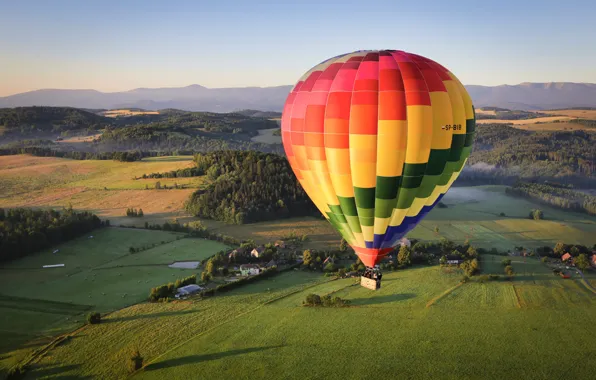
pixel 420 324
pixel 99 274
pixel 472 213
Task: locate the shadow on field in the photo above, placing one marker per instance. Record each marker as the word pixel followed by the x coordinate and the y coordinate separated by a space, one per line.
pixel 149 316
pixel 202 358
pixel 56 371
pixel 382 299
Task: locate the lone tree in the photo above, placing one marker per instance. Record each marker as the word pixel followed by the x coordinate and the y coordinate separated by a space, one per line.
pixel 582 262
pixel 559 249
pixel 94 318
pixel 136 361
pixel 404 255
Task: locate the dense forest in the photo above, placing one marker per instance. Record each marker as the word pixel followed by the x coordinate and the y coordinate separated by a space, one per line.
pixel 248 187
pixel 503 152
pixel 25 231
pixel 561 196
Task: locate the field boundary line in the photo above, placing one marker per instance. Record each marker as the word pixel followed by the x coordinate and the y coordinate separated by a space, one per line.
pixel 517 298
pixel 297 291
pixel 443 295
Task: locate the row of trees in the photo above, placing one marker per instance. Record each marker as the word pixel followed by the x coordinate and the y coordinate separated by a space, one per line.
pixel 42 151
pixel 25 231
pixel 248 187
pixel 166 291
pixel 555 195
pixel 133 212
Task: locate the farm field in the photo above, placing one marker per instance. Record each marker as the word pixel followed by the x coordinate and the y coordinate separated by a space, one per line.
pixel 127 112
pixel 580 114
pixel 99 274
pixel 107 188
pixel 423 327
pixel 472 213
pixel 536 120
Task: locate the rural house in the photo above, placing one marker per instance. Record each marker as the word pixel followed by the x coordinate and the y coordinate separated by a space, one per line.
pixel 454 259
pixel 593 260
pixel 249 269
pixel 187 290
pixel 566 257
pixel 280 244
pixel 257 252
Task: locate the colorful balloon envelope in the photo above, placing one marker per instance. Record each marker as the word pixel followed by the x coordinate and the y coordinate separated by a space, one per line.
pixel 376 138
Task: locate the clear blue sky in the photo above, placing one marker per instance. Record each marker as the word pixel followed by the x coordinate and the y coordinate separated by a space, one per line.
pixel 120 45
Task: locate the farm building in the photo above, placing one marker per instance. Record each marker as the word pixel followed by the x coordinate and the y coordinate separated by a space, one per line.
pixel 593 260
pixel 454 259
pixel 249 269
pixel 236 252
pixel 566 257
pixel 187 290
pixel 257 251
pixel 280 244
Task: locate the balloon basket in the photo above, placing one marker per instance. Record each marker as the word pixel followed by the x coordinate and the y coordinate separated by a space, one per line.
pixel 370 283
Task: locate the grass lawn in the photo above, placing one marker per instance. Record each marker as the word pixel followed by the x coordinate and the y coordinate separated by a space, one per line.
pixel 261 330
pixel 99 274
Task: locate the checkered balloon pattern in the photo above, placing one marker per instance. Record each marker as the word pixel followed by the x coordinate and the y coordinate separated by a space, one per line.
pixel 376 138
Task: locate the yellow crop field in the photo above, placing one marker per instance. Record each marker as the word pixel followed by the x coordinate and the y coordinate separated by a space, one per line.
pixel 580 114
pixel 105 187
pixel 545 119
pixel 480 111
pixel 127 112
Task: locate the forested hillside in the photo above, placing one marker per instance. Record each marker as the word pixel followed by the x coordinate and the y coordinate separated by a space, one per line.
pixel 503 152
pixel 248 187
pixel 30 121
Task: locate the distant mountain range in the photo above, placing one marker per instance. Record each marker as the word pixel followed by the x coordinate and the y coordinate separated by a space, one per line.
pixel 524 96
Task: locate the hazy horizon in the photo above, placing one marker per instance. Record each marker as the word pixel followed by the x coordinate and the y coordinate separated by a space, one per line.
pixel 111 47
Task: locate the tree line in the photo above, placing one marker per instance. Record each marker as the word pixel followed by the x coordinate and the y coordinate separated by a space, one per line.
pixel 248 187
pixel 26 231
pixel 555 195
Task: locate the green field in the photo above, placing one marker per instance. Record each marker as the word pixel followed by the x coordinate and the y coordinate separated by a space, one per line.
pixel 261 330
pixel 99 274
pixel 472 213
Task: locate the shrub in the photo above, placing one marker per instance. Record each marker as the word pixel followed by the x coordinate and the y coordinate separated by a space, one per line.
pixel 93 318
pixel 509 270
pixel 312 300
pixel 16 373
pixel 494 277
pixel 544 259
pixel 135 362
pixel 506 262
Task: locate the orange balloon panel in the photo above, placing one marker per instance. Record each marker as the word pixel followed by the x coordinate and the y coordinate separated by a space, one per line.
pixel 376 138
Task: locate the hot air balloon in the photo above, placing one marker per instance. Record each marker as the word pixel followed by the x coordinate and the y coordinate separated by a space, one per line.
pixel 376 138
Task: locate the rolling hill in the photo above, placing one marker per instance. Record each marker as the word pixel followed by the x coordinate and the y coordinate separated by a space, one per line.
pixel 524 96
